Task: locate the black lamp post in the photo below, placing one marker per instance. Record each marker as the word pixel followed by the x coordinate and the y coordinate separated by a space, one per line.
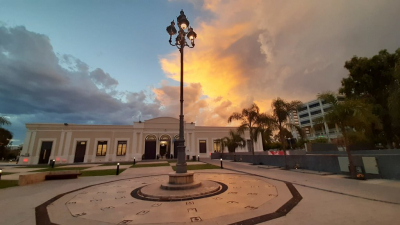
pixel 180 43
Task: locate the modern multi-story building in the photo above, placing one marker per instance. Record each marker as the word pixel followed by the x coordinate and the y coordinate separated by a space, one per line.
pixel 74 143
pixel 309 112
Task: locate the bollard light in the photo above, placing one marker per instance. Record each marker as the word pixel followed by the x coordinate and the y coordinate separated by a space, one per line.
pixel 1 171
pixel 52 164
pixel 117 168
pixel 198 158
pixel 134 160
pixel 221 164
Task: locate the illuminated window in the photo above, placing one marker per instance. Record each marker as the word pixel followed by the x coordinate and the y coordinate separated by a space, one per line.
pixel 101 148
pixel 121 148
pixel 217 146
pixel 203 146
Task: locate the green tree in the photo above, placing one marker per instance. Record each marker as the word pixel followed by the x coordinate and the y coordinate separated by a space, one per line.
pixel 371 79
pixel 320 140
pixel 394 103
pixel 250 119
pixel 4 121
pixel 5 135
pixel 233 141
pixel 281 110
pixel 354 118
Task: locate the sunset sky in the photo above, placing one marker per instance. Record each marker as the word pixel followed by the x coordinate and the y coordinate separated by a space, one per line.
pixel 109 62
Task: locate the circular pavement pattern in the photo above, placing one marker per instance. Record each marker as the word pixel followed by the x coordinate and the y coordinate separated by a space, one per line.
pixel 245 196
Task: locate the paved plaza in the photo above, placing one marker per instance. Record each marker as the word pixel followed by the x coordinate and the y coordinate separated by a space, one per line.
pixel 252 194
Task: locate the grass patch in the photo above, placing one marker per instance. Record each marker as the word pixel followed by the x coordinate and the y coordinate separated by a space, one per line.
pixel 39 166
pixel 115 164
pixel 172 160
pixel 6 173
pixel 8 183
pixel 100 172
pixel 59 169
pixel 149 165
pixel 199 167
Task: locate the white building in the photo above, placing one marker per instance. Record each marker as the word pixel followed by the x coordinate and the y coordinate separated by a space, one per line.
pixel 74 143
pixel 309 112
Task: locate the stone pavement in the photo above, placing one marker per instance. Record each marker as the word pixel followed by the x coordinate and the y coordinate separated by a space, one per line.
pixel 112 203
pixel 332 199
pixel 383 190
pixel 327 199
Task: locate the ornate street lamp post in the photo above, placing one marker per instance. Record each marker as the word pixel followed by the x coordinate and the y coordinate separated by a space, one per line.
pixel 181 43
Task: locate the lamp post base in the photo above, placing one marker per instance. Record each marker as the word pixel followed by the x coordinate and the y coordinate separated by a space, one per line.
pixel 181 168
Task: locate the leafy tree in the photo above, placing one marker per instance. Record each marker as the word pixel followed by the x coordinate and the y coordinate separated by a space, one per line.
pixel 281 110
pixel 354 118
pixel 273 145
pixel 320 140
pixel 371 79
pixel 4 121
pixel 233 141
pixel 5 138
pixel 250 119
pixel 5 135
pixel 394 103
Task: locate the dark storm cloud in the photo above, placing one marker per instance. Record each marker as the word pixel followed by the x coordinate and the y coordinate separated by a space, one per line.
pixel 103 79
pixel 39 86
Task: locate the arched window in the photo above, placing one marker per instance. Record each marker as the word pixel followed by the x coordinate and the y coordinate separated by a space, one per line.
pixel 165 138
pixel 151 138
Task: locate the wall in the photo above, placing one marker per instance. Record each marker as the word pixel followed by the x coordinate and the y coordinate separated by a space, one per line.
pixel 314 147
pixel 388 164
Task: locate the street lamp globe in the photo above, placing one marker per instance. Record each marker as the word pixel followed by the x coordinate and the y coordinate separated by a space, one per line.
pixel 182 21
pixel 171 29
pixel 191 35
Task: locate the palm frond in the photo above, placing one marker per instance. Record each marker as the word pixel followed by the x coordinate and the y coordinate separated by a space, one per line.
pixel 328 97
pixel 235 116
pixel 242 128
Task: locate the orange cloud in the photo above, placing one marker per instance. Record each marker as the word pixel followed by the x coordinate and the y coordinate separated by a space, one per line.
pixel 256 51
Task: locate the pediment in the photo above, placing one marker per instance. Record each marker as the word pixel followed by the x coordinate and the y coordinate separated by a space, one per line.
pixel 162 120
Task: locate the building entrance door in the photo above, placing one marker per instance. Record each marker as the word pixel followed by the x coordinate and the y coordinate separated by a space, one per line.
pixel 80 151
pixel 165 143
pixel 45 152
pixel 150 147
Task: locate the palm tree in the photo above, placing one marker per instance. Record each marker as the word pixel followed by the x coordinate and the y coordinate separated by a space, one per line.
pixel 354 118
pixel 281 110
pixel 233 141
pixel 265 125
pixel 250 119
